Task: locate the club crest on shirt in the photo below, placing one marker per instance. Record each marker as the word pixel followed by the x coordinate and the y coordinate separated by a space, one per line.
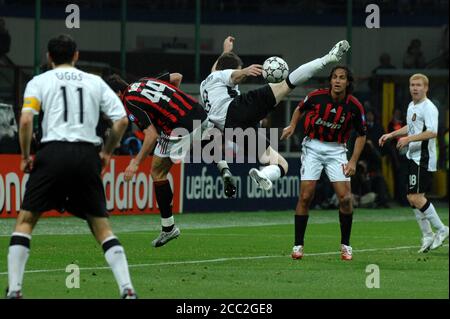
pixel 414 117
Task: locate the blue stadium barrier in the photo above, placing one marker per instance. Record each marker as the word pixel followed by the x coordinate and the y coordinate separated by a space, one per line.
pixel 203 189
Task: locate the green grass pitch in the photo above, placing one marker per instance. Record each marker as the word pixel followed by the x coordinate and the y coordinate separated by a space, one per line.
pixel 238 255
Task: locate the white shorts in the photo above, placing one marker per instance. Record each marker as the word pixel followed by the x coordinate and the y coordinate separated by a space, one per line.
pixel 317 155
pixel 176 147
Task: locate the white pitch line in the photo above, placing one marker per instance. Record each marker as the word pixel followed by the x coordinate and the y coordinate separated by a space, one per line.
pixel 219 260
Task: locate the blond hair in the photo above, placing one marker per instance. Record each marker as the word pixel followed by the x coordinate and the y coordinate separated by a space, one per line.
pixel 419 76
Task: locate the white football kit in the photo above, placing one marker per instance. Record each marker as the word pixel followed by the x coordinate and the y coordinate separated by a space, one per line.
pixel 217 92
pixel 71 101
pixel 422 117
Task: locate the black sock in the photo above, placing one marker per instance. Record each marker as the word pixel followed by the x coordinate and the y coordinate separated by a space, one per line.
pixel 164 197
pixel 300 227
pixel 346 227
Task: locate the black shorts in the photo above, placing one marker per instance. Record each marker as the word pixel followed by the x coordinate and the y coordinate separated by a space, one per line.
pixel 66 177
pixel 248 109
pixel 419 179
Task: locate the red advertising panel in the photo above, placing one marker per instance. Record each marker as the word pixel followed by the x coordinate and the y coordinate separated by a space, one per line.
pixel 122 198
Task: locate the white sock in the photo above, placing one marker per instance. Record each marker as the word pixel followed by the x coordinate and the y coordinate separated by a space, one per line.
pixel 424 224
pixel 305 71
pixel 167 222
pixel 17 259
pixel 221 165
pixel 273 172
pixel 432 216
pixel 117 260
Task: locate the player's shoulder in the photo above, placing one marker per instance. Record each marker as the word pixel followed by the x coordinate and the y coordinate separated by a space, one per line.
pixel 214 77
pixel 221 73
pixel 354 100
pixel 429 104
pixel 42 78
pixel 319 92
pixel 90 77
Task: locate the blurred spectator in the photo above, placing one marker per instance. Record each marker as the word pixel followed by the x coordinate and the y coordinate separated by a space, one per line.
pixel 371 178
pixel 323 197
pixel 9 138
pixel 396 122
pixel 398 158
pixel 5 42
pixel 363 196
pixel 376 82
pixel 414 58
pixel 374 128
pixel 385 63
pixel 444 46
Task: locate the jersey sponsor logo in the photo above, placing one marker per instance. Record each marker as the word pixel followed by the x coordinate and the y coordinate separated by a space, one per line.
pixel 331 125
pixel 414 117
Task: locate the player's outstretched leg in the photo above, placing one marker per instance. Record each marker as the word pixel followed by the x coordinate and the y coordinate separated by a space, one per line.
pixel 338 51
pixel 305 71
pixel 228 179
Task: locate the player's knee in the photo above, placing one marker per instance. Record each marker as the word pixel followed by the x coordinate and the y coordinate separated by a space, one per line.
pixel 158 174
pixel 305 198
pixel 414 200
pixel 345 201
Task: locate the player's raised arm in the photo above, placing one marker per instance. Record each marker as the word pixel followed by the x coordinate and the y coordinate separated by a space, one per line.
pixel 239 75
pixel 290 129
pixel 228 45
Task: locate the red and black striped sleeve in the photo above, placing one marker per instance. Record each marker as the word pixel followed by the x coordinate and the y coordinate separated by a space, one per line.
pixel 137 115
pixel 305 104
pixel 359 116
pixel 310 100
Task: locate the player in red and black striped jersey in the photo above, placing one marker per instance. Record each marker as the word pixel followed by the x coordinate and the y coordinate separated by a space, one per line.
pixel 329 121
pixel 156 101
pixel 328 117
pixel 160 109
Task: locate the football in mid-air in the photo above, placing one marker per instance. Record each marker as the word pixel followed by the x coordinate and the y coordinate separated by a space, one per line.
pixel 275 69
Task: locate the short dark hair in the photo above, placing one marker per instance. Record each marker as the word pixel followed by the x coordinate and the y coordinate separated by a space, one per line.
pixel 116 83
pixel 348 72
pixel 229 60
pixel 62 49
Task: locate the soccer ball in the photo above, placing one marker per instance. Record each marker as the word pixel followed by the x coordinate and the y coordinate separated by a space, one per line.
pixel 275 69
